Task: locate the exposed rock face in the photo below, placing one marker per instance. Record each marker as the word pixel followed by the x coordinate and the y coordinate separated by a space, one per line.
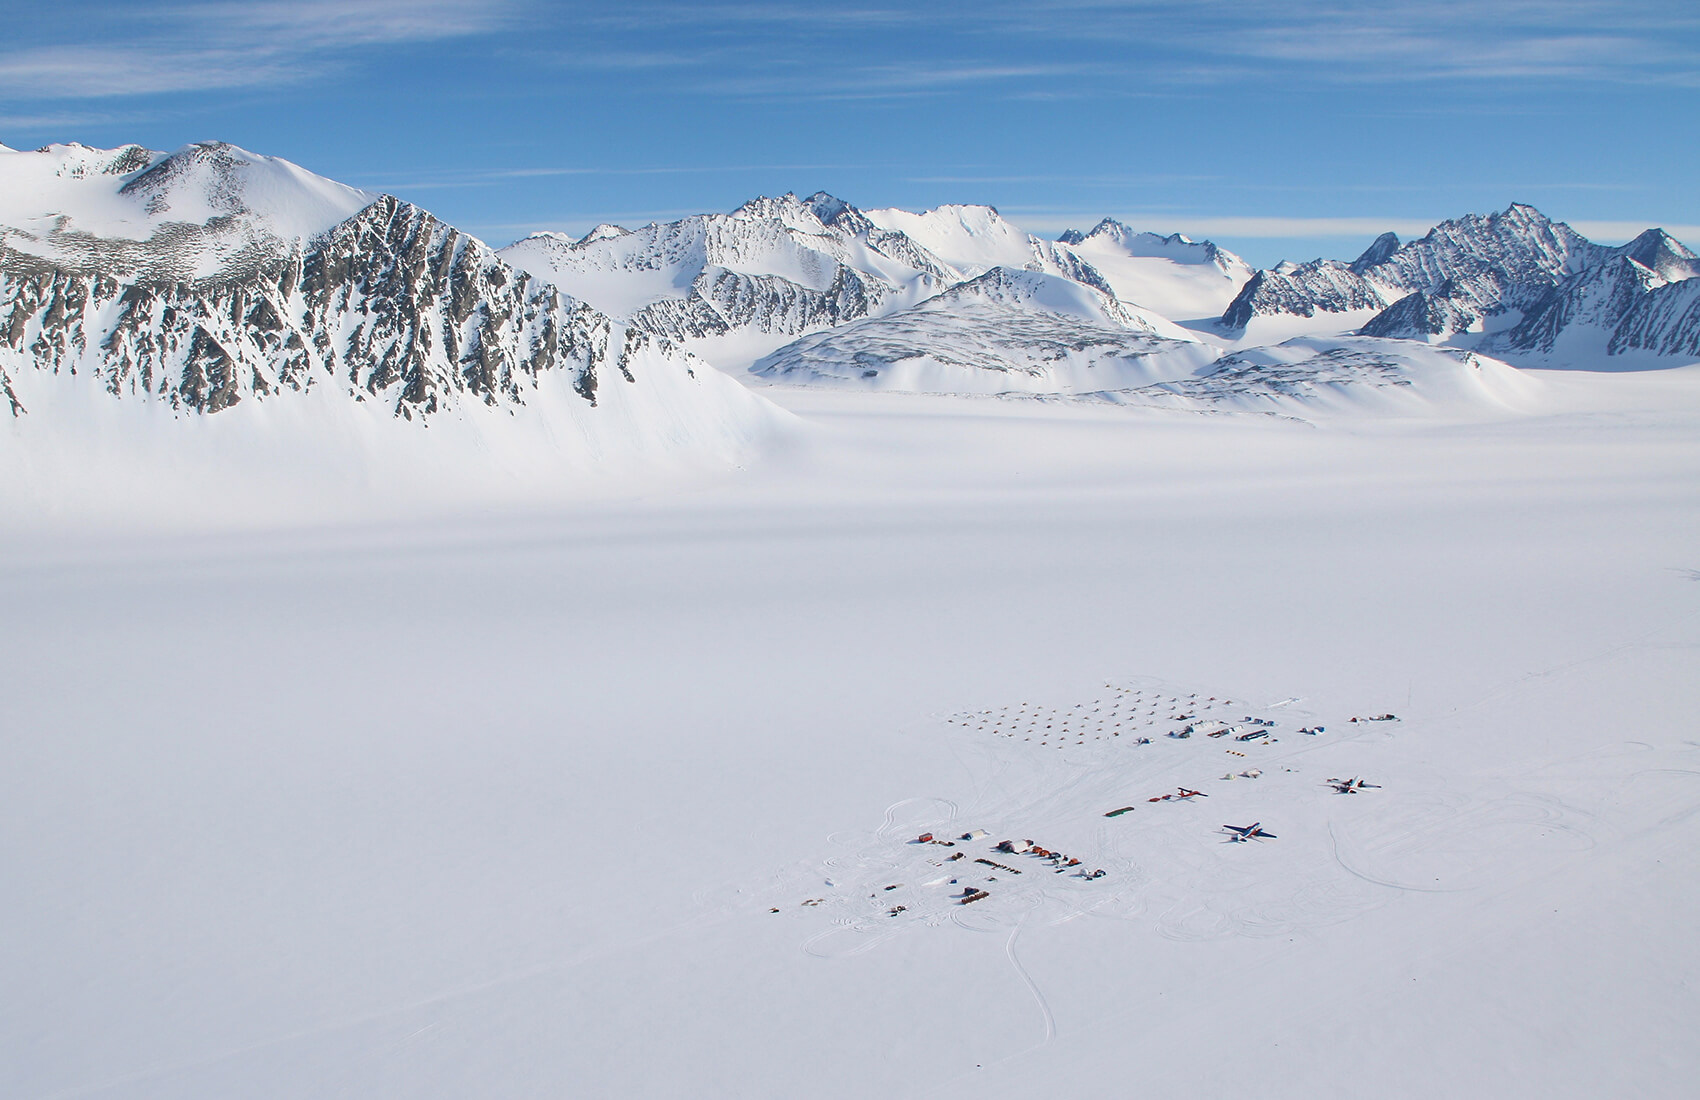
pixel 212 276
pixel 1623 295
pixel 1554 289
pixel 1666 321
pixel 1508 260
pixel 1424 315
pixel 721 301
pixel 1379 252
pixel 392 306
pixel 1321 286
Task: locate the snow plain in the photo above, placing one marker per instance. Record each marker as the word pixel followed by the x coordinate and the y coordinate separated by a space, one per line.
pixel 498 800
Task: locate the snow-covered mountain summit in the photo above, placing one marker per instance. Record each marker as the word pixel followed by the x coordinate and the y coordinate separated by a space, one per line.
pixel 207 211
pixel 1176 276
pixel 808 260
pixel 212 277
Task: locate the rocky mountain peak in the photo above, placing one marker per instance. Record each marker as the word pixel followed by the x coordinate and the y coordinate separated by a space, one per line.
pixel 1379 252
pixel 604 232
pixel 1663 255
pixel 1107 227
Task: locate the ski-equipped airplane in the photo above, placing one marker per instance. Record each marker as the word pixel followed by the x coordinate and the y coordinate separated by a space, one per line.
pixel 1351 786
pixel 1254 831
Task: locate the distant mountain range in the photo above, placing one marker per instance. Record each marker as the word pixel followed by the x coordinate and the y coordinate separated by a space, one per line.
pixel 735 286
pixel 210 278
pixel 1515 284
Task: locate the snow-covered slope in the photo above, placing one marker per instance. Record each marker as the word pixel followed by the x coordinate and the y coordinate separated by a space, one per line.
pixel 1024 333
pixel 1175 276
pixel 971 239
pixel 211 279
pixel 1027 334
pixel 1005 331
pixel 1352 375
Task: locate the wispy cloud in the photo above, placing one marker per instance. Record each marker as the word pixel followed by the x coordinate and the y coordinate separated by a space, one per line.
pixel 1072 180
pixel 336 24
pixel 206 46
pixel 1614 232
pixel 1016 49
pixel 1168 43
pixel 497 176
pixel 66 120
pixel 90 72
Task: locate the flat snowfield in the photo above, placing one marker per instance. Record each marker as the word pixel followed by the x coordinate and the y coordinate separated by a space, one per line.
pixel 624 798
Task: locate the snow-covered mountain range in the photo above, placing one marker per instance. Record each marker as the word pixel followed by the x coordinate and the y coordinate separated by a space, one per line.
pixel 734 287
pixel 211 278
pixel 957 299
pixel 1515 284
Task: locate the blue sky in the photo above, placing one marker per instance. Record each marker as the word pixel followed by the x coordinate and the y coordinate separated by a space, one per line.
pixel 1286 129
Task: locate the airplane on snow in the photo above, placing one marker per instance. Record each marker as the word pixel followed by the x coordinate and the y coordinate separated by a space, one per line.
pixel 1240 833
pixel 1351 786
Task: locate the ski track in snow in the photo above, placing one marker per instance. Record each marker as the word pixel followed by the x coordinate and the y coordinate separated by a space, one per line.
pixel 1032 986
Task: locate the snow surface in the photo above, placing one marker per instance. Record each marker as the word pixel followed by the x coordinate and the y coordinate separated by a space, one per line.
pixel 80 455
pixel 497 799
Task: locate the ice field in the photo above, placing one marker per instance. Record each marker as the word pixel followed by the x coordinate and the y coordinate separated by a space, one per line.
pixel 603 797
